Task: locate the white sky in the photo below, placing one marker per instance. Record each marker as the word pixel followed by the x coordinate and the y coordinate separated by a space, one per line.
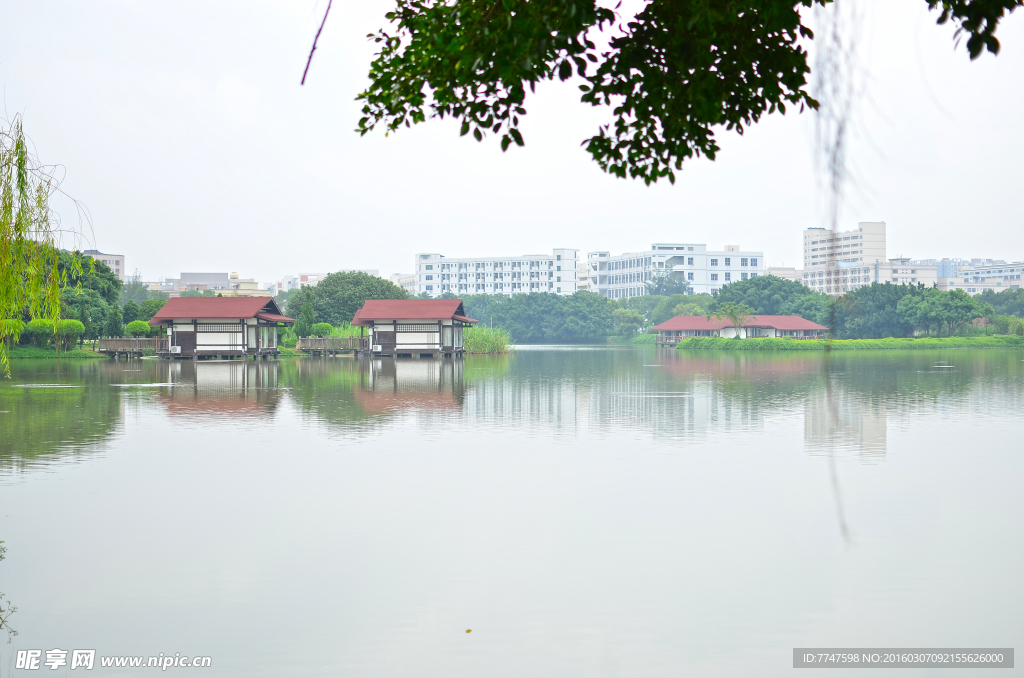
pixel 183 128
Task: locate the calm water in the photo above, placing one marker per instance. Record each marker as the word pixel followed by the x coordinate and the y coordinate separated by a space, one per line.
pixel 585 511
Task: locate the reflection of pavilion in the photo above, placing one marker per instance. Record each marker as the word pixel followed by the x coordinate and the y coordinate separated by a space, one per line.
pixel 228 388
pixel 842 421
pixel 390 384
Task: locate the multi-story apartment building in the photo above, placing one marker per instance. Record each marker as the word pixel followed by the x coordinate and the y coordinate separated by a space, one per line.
pixel 555 273
pixel 407 281
pixel 857 247
pixel 626 275
pixel 114 261
pixel 900 271
pixel 995 277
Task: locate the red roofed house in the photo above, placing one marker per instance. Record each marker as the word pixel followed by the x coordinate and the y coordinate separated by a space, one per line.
pixel 220 326
pixel 779 326
pixel 412 326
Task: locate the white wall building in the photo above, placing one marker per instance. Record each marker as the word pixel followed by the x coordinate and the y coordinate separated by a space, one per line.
pixel 555 273
pixel 856 247
pixel 995 277
pixel 311 279
pixel 626 275
pixel 900 271
pixel 114 261
pixel 407 281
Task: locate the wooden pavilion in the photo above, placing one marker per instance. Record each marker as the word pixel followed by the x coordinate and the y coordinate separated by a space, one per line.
pixel 220 327
pixel 412 327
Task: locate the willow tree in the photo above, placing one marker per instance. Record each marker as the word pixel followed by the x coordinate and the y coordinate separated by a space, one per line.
pixel 30 279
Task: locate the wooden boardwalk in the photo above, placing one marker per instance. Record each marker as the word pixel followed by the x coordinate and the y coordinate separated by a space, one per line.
pixel 328 345
pixel 130 347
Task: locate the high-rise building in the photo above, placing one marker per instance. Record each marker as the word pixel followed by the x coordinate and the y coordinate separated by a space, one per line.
pixel 114 261
pixel 860 246
pixel 626 275
pixel 555 273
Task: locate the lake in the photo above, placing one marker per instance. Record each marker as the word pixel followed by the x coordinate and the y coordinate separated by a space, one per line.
pixel 585 511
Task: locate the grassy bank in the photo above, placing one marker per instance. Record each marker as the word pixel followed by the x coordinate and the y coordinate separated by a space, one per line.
pixel 486 340
pixel 719 344
pixel 38 352
pixel 636 339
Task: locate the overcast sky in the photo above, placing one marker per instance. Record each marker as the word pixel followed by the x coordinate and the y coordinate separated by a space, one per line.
pixel 183 128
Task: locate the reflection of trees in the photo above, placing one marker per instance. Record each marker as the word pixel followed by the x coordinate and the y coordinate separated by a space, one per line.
pixel 689 394
pixel 44 424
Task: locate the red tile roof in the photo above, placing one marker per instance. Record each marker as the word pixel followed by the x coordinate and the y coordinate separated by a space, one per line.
pixel 410 309
pixel 200 308
pixel 700 322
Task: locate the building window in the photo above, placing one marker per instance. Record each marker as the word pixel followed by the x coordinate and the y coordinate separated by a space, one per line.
pixel 689 261
pixel 559 289
pixel 753 275
pixel 743 276
pixel 430 287
pixel 430 267
pixel 727 275
pixel 714 276
pixel 714 262
pixel 558 257
pixel 727 260
pixel 743 262
pixel 558 279
pixel 430 277
pixel 689 276
pixel 753 261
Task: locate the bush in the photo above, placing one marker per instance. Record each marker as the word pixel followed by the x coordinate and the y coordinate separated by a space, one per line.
pixel 137 328
pixel 485 340
pixel 321 330
pixel 40 332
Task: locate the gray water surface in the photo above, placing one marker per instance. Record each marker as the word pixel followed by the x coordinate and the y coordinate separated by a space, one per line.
pixel 586 512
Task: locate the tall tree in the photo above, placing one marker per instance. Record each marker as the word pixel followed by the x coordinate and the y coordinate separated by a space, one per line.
pixel 673 75
pixel 338 296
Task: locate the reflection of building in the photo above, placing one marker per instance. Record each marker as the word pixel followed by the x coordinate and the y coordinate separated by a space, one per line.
pixel 411 384
pixel 234 389
pixel 626 275
pixel 555 272
pixel 114 261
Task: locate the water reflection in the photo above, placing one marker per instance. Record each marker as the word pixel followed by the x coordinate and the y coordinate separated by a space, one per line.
pixel 845 401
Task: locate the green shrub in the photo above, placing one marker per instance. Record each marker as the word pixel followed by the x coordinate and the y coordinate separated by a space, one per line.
pixel 486 340
pixel 137 328
pixel 321 330
pixel 37 332
pixel 40 332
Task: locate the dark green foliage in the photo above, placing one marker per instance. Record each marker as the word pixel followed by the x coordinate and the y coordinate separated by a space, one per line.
pixel 307 316
pixel 542 317
pixel 765 294
pixel 673 76
pixel 137 328
pixel 644 305
pixel 113 327
pixel 94 275
pixel 148 309
pixel 681 304
pixel 321 330
pixel 628 322
pixel 135 290
pixel 665 283
pixel 130 312
pixel 337 297
pixel 1007 302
